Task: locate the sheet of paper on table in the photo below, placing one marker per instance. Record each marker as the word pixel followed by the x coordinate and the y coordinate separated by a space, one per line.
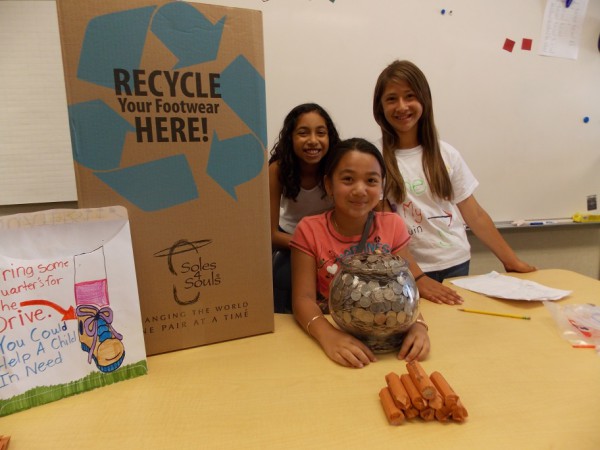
pixel 494 284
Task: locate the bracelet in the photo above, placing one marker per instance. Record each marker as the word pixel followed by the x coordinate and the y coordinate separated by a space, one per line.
pixel 422 322
pixel 310 323
pixel 420 276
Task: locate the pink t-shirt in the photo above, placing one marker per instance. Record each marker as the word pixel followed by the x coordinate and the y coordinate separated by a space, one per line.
pixel 317 237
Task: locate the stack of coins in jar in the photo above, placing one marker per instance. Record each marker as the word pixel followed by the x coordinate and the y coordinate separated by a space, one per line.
pixel 374 297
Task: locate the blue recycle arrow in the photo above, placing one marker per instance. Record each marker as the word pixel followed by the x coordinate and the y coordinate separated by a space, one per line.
pixel 190 36
pixel 243 89
pixel 154 185
pixel 111 41
pixel 234 161
pixel 97 135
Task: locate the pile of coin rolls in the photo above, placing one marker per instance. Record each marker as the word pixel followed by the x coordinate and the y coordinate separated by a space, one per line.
pixel 416 394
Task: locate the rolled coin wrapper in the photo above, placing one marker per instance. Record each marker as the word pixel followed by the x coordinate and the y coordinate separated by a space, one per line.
pixel 450 397
pixel 416 398
pixel 421 380
pixel 397 390
pixel 392 412
pixel 427 414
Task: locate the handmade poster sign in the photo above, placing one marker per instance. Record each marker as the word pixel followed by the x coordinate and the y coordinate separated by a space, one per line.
pixel 69 307
pixel 167 113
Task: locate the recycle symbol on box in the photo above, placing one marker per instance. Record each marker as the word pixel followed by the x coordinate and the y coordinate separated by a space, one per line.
pixel 117 40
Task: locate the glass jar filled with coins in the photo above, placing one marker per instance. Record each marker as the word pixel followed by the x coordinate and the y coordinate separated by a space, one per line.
pixel 374 297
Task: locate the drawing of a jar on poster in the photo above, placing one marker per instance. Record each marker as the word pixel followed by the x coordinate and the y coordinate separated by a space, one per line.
pixel 102 343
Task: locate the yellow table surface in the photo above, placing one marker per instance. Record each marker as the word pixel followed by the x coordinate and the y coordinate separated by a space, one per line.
pixel 523 385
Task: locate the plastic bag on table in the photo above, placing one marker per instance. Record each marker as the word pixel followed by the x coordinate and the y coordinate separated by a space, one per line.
pixel 579 324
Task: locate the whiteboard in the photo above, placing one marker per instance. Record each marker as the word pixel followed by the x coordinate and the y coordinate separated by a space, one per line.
pixel 516 117
pixel 36 165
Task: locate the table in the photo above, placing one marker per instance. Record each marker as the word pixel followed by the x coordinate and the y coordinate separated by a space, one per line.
pixel 523 385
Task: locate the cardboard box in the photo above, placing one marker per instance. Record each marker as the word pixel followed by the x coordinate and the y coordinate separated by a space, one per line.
pixel 167 114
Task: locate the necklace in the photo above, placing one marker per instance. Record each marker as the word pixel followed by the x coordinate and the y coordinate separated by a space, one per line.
pixel 336 226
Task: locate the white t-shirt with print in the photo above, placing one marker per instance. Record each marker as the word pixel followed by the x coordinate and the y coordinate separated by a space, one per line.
pixel 439 239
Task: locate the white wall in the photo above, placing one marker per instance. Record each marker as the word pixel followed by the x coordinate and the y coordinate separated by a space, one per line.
pixel 516 117
pixel 570 247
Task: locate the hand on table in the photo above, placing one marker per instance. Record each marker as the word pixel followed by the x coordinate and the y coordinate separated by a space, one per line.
pixel 346 350
pixel 519 266
pixel 416 344
pixel 436 292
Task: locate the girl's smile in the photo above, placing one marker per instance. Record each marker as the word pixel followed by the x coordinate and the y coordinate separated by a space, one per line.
pixel 403 111
pixel 310 138
pixel 356 187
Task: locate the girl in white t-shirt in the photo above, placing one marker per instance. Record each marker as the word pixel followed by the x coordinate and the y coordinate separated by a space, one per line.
pixel 295 186
pixel 429 184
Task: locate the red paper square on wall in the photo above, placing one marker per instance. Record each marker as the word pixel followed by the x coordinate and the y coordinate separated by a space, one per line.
pixel 509 45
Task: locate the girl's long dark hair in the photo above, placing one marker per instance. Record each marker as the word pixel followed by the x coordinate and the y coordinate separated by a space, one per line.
pixel 283 150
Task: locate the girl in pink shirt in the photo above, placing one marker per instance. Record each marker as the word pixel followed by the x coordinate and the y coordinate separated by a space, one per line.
pixel 354 174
